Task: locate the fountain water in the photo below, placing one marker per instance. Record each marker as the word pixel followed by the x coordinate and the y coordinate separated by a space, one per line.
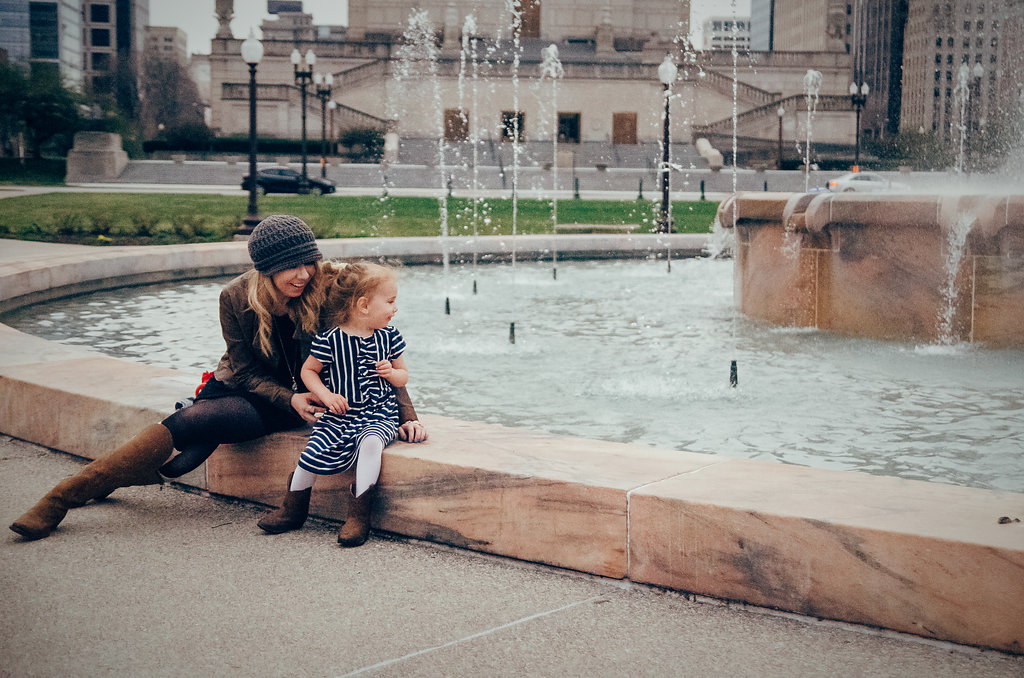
pixel 956 239
pixel 551 69
pixel 806 397
pixel 470 51
pixel 812 85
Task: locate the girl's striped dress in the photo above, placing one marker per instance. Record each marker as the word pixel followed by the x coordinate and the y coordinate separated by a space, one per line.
pixel 350 369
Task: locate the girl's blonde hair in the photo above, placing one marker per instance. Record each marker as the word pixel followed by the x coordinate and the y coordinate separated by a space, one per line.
pixel 304 310
pixel 355 280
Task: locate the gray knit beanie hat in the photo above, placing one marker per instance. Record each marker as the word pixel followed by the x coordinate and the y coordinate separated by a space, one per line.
pixel 280 242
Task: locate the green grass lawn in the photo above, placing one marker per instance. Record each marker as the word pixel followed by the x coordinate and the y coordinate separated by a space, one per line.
pixel 148 218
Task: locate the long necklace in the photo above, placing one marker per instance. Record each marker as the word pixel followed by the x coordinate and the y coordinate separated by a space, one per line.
pixel 284 352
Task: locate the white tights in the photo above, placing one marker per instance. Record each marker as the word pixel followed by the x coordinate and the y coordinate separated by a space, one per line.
pixel 368 458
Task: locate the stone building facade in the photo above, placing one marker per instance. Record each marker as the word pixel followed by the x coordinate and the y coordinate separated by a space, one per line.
pixel 609 94
pixel 943 36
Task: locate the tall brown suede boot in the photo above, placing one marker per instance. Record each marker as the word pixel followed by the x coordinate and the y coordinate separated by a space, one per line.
pixel 291 515
pixel 134 463
pixel 356 527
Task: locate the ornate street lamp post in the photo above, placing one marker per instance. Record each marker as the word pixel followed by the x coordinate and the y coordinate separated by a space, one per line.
pixel 858 97
pixel 252 52
pixel 303 76
pixel 667 75
pixel 780 111
pixel 323 93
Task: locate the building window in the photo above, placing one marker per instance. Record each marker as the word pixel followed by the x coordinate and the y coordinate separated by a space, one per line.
pixel 569 127
pixel 938 58
pixel 100 61
pixel 100 37
pixel 967 25
pixel 938 42
pixel 99 14
pixel 456 124
pixel 43 30
pixel 510 120
pixel 624 129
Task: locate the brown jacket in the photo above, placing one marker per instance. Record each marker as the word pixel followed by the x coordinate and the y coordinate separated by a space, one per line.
pixel 244 366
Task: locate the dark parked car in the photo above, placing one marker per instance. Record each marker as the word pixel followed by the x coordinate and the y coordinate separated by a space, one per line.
pixel 283 180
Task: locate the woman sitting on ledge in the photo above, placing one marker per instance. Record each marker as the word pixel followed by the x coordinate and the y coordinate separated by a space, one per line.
pixel 268 317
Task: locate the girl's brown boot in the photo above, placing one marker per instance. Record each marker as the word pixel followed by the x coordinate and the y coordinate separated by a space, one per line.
pixel 291 515
pixel 356 527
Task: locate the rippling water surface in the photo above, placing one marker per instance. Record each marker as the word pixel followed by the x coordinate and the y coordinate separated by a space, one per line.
pixel 625 351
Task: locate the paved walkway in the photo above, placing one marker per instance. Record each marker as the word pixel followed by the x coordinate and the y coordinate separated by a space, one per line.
pixel 162 582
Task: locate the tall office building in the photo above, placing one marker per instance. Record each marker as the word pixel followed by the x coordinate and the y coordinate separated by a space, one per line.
pixel 878 34
pixel 944 39
pixel 114 34
pixel 167 42
pixel 44 36
pixel 726 32
pixel 762 28
pixel 801 25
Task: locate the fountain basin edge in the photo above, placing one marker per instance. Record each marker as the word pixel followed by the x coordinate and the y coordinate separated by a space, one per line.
pixel 917 557
pixel 943 268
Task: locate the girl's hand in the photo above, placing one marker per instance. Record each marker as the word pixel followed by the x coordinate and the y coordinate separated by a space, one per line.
pixel 384 368
pixel 307 406
pixel 336 403
pixel 412 431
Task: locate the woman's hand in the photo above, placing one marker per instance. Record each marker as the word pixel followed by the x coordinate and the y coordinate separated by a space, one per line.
pixel 412 432
pixel 307 406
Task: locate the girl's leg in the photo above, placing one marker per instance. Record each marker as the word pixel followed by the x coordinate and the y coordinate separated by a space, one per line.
pixel 301 480
pixel 368 457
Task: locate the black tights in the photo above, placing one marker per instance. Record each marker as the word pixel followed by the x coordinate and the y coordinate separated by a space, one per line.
pixel 198 430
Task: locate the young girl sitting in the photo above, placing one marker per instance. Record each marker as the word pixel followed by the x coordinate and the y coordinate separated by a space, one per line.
pixel 353 369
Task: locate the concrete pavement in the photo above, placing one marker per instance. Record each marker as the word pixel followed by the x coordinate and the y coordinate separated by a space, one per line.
pixel 163 582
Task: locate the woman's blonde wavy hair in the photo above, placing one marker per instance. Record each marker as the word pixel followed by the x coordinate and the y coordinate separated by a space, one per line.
pixel 304 310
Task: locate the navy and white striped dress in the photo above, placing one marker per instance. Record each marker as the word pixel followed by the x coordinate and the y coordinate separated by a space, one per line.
pixel 350 369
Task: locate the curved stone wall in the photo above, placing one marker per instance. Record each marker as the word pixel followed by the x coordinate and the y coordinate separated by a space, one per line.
pixel 922 558
pixel 918 267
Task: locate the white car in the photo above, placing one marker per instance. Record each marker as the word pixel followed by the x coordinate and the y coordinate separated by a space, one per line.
pixel 863 181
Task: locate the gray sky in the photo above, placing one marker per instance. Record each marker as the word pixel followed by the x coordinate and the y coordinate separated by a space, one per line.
pixel 197 19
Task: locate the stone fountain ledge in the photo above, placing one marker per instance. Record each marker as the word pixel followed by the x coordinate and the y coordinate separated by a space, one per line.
pixel 923 558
